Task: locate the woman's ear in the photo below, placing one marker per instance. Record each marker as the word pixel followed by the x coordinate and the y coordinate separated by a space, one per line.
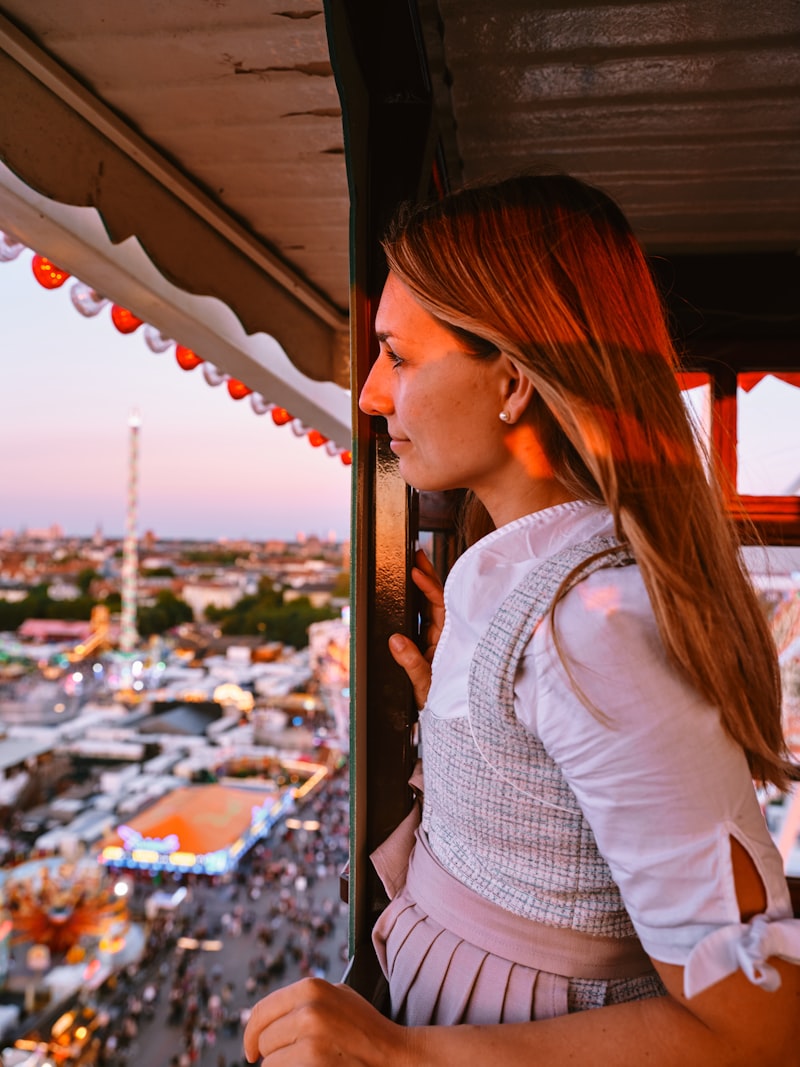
pixel 519 390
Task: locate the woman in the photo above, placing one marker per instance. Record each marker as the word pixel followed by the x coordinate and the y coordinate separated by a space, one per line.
pixel 592 880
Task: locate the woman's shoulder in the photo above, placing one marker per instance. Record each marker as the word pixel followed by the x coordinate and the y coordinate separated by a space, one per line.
pixel 602 638
pixel 494 567
pixel 609 607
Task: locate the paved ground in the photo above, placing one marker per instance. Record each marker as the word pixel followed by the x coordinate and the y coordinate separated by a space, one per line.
pixel 279 918
pixel 159 1039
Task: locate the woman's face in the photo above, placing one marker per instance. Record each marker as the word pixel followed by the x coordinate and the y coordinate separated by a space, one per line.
pixel 442 405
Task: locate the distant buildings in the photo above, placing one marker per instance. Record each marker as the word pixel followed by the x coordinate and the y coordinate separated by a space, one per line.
pixel 200 595
pixel 201 573
pixel 329 659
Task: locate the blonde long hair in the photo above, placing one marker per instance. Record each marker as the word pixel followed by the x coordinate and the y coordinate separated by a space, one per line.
pixel 546 268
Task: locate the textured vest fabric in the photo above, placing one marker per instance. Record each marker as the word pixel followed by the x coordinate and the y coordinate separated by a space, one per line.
pixel 498 812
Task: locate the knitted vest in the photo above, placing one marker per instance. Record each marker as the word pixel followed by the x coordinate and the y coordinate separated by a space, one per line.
pixel 498 812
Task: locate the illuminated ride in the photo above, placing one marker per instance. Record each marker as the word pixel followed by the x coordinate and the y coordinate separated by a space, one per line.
pixel 206 829
pixel 62 907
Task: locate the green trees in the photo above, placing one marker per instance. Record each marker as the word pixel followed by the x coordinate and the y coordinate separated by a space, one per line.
pixel 342 586
pixel 168 611
pixel 268 615
pixel 158 572
pixel 12 614
pixel 85 579
pixel 38 605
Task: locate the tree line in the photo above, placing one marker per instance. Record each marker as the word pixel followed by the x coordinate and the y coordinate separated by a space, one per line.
pixel 265 613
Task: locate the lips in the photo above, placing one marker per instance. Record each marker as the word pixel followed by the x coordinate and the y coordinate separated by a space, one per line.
pixel 396 439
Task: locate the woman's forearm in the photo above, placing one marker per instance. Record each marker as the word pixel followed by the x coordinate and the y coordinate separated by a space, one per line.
pixel 731 1024
pixel 652 1032
pixel 313 1023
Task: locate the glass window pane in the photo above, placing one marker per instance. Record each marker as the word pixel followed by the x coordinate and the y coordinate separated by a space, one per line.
pixel 768 431
pixel 696 392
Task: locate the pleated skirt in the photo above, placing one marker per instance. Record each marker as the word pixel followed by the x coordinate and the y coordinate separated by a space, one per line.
pixel 476 963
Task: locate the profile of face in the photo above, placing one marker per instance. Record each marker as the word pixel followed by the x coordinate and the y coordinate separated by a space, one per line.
pixel 441 403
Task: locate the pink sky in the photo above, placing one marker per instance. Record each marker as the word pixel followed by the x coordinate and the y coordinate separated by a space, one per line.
pixel 209 466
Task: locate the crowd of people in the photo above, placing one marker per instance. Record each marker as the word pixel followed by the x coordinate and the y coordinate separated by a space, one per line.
pixel 277 919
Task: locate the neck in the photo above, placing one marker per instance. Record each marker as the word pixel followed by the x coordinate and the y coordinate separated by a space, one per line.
pixel 536 497
pixel 525 483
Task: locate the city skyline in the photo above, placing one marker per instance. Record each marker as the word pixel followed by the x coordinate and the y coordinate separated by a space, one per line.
pixel 209 466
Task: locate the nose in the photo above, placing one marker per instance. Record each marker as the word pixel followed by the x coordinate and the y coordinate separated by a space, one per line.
pixel 375 397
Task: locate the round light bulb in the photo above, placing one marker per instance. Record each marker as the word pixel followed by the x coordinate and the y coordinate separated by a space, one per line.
pixel 259 405
pixel 155 340
pixel 213 375
pixel 86 300
pixel 10 247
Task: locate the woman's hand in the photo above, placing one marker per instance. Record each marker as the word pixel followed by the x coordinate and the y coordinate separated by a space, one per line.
pixel 313 1023
pixel 427 581
pixel 416 664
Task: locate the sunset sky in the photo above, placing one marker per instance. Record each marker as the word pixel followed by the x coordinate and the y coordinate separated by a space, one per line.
pixel 209 466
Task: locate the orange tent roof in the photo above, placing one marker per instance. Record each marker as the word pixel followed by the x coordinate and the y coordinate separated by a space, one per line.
pixel 204 818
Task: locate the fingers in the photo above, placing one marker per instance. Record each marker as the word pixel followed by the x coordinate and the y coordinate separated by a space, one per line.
pixel 423 563
pixel 406 654
pixel 432 591
pixel 318 1024
pixel 265 1012
pixel 429 584
pixel 277 1019
pixel 427 580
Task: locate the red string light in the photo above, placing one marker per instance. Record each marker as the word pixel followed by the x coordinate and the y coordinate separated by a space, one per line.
pixel 187 359
pixel 237 389
pixel 124 320
pixel 47 274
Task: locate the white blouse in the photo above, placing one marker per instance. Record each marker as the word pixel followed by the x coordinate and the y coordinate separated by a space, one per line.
pixel 660 782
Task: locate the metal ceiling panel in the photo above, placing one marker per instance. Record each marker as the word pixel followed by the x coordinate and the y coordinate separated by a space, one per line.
pixel 687 112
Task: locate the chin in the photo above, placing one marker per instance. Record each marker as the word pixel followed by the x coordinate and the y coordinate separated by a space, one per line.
pixel 427 483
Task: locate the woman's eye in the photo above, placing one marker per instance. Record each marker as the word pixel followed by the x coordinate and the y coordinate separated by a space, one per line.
pixel 394 359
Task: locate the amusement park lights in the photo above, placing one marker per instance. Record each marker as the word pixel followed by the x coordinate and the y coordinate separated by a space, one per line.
pixel 238 390
pixel 47 274
pixel 280 416
pixel 186 358
pixel 124 320
pixel 59 907
pixel 88 302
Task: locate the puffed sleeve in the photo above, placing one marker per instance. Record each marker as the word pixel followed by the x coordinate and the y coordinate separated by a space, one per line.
pixel 660 782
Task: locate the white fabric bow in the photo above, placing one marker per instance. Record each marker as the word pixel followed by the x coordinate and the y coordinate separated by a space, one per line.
pixel 745 946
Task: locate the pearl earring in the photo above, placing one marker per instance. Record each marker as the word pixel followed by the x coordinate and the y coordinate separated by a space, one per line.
pixel 504 416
